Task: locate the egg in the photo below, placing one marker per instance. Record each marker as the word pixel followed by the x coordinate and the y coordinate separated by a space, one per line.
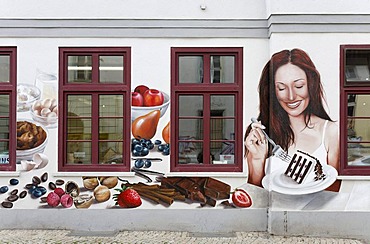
pixel 46 103
pixel 53 104
pixel 55 110
pixel 36 106
pixel 45 111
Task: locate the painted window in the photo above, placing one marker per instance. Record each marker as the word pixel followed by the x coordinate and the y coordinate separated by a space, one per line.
pixel 8 106
pixel 355 109
pixel 206 109
pixel 94 89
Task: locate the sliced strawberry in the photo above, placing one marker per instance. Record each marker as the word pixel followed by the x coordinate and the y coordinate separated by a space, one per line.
pixel 241 198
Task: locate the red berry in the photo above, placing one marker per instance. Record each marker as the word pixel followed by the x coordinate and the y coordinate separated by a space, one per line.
pixel 241 198
pixel 59 191
pixel 53 199
pixel 66 201
pixel 130 198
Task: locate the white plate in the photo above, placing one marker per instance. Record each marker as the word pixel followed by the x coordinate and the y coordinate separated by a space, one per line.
pixel 278 182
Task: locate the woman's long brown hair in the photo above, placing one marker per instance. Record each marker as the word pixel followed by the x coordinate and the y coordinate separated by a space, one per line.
pixel 272 115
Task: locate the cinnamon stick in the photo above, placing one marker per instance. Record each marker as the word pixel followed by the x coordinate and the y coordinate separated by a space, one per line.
pixel 161 197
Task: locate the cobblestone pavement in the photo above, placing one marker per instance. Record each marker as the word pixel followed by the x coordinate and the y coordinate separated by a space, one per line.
pixel 147 237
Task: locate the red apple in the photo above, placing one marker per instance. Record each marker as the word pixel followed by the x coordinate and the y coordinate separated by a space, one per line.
pixel 153 97
pixel 137 99
pixel 141 89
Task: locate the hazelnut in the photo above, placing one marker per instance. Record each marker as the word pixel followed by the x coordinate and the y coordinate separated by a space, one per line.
pixel 72 189
pixel 101 193
pixel 109 182
pixel 90 182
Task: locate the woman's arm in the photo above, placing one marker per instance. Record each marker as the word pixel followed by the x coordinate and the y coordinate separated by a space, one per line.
pixel 256 150
pixel 333 152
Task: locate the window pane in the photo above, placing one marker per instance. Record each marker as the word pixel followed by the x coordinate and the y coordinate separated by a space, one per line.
pixel 110 153
pixel 4 128
pixel 79 69
pixel 191 69
pixel 78 129
pixel 359 154
pixel 4 105
pixel 4 68
pixel 222 129
pixel 224 103
pixel 190 105
pixel 79 152
pixel 222 69
pixel 111 105
pixel 190 152
pixel 111 129
pixel 4 152
pixel 358 130
pixel 79 105
pixel 191 128
pixel 225 155
pixel 111 69
pixel 357 65
pixel 359 105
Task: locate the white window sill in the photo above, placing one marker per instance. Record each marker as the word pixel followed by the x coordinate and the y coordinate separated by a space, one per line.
pixel 353 177
pixel 208 174
pixel 81 174
pixel 10 173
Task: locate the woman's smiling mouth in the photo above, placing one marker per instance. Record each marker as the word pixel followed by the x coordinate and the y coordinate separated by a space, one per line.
pixel 294 105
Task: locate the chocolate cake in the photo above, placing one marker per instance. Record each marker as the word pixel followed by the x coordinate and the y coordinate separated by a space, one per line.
pixel 301 165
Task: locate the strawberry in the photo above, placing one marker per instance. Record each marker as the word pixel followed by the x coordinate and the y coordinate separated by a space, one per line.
pixel 241 198
pixel 127 198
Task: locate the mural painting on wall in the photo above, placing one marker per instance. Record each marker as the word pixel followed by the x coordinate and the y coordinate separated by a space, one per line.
pixel 292 147
pixel 37 118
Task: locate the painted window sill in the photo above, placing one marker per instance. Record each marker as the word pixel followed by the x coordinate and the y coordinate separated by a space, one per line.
pixel 10 173
pixel 81 174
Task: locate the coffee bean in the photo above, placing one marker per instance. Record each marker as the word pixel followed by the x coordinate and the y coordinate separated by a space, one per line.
pixel 23 194
pixel 12 198
pixel 36 180
pixel 29 186
pixel 59 182
pixel 7 204
pixel 14 192
pixel 44 199
pixel 44 177
pixel 52 185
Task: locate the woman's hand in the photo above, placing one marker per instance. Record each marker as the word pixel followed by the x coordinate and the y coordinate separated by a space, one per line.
pixel 255 142
pixel 257 148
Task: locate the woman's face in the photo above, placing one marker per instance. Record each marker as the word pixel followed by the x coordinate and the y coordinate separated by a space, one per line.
pixel 291 89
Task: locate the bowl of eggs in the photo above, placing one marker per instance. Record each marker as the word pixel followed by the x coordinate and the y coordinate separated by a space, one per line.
pixel 26 95
pixel 45 112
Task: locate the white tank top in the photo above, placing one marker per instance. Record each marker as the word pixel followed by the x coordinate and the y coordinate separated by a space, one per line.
pixel 274 163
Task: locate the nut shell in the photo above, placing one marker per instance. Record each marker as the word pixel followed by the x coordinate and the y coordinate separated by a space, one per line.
pixel 83 201
pixel 72 189
pixel 109 182
pixel 90 182
pixel 101 193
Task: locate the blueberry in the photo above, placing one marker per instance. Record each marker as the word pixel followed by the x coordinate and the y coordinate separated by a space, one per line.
pixel 161 147
pixel 139 163
pixel 138 148
pixel 4 189
pixel 145 151
pixel 13 182
pixel 42 190
pixel 142 140
pixel 157 142
pixel 150 146
pixel 166 151
pixel 31 189
pixel 37 192
pixel 135 141
pixel 147 163
pixel 135 153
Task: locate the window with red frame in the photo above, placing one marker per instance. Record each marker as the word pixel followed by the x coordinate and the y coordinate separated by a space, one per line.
pixel 94 116
pixel 206 109
pixel 355 109
pixel 8 107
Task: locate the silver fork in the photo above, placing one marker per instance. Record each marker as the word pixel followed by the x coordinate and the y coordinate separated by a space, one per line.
pixel 276 150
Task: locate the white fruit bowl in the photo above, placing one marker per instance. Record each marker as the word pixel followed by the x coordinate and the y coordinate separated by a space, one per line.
pixel 137 111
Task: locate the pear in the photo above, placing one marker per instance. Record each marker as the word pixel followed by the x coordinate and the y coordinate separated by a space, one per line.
pixel 145 126
pixel 166 133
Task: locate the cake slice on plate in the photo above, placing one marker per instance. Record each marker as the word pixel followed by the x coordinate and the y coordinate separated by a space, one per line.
pixel 304 167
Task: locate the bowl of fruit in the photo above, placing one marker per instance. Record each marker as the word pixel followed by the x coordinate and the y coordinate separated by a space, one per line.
pixel 145 100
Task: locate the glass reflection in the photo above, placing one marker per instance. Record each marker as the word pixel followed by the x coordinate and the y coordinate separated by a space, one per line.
pixel 191 69
pixel 4 68
pixel 222 69
pixel 111 69
pixel 190 105
pixel 79 69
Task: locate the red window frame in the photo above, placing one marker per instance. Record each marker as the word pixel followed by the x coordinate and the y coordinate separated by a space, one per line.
pixel 206 89
pixel 11 90
pixel 94 88
pixel 347 88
